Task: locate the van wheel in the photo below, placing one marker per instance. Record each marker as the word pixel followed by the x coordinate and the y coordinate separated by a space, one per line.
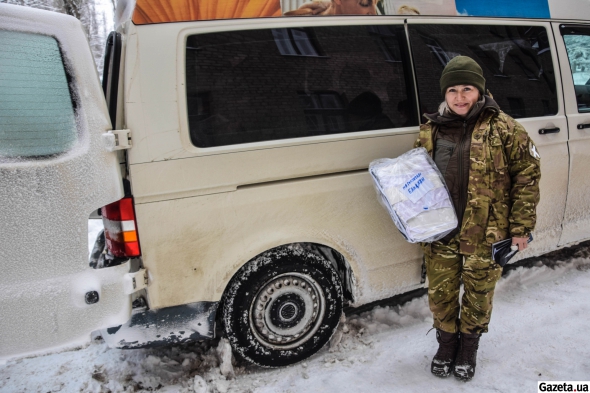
pixel 282 306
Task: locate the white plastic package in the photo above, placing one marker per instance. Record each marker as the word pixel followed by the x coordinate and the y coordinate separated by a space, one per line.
pixel 414 193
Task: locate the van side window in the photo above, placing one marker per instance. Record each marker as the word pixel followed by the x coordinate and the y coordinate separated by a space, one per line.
pixel 577 42
pixel 516 61
pixel 36 108
pixel 263 85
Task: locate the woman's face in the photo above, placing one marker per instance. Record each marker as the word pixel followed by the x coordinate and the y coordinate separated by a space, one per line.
pixel 461 98
pixel 357 7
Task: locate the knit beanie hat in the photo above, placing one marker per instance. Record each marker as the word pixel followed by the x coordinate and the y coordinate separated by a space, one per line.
pixel 462 70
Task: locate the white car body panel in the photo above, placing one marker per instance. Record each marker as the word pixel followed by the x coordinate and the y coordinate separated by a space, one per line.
pixel 45 204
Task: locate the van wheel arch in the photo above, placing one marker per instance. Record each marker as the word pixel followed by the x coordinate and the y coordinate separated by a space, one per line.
pixel 345 272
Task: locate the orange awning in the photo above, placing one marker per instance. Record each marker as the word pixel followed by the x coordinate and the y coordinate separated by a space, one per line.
pixel 160 11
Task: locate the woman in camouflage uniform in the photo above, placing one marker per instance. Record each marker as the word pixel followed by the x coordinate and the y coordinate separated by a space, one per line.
pixel 492 170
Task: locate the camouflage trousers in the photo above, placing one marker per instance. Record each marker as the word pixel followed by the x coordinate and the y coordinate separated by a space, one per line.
pixel 446 269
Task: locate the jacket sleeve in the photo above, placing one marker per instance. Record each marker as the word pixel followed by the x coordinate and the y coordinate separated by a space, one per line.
pixel 524 166
pixel 424 137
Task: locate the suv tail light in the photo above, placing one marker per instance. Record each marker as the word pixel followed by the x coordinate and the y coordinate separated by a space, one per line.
pixel 120 228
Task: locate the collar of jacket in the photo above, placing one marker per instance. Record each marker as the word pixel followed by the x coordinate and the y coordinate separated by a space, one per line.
pixel 480 114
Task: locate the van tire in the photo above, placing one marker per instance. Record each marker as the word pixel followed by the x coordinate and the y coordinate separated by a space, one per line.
pixel 298 296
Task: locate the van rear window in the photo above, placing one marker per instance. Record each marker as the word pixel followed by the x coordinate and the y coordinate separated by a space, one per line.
pixel 272 84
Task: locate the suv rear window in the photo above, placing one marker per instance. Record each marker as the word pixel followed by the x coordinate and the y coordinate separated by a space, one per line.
pixel 36 108
pixel 516 62
pixel 263 85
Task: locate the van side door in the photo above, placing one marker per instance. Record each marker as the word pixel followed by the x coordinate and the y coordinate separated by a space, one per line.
pixel 573 42
pixel 54 171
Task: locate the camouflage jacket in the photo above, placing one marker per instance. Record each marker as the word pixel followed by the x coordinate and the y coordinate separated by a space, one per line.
pixel 504 175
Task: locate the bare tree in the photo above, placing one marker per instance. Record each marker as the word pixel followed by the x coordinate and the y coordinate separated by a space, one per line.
pixel 41 4
pixel 95 22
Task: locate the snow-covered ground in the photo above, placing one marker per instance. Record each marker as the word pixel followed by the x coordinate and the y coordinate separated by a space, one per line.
pixel 539 331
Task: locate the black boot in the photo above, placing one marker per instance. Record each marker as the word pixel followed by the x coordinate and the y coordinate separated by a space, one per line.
pixel 442 363
pixel 465 362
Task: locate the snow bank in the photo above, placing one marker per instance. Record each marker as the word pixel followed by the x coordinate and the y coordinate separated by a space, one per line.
pixel 382 319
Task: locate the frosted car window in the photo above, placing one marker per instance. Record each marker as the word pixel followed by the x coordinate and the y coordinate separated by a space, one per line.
pixel 577 42
pixel 263 85
pixel 36 110
pixel 516 62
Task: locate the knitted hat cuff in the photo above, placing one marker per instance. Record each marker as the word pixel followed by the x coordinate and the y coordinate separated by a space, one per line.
pixel 462 77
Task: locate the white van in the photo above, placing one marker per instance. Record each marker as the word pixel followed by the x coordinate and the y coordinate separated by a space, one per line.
pixel 229 163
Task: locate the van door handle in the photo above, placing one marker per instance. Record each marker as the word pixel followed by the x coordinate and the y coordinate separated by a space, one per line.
pixel 582 126
pixel 554 130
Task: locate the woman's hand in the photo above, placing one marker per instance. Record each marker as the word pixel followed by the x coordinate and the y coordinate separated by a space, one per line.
pixel 521 242
pixel 316 7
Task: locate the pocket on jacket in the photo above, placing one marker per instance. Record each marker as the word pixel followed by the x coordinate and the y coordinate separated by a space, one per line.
pixel 497 153
pixel 442 155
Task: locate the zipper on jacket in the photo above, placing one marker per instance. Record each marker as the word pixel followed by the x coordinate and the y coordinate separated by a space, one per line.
pixel 461 176
pixel 433 133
